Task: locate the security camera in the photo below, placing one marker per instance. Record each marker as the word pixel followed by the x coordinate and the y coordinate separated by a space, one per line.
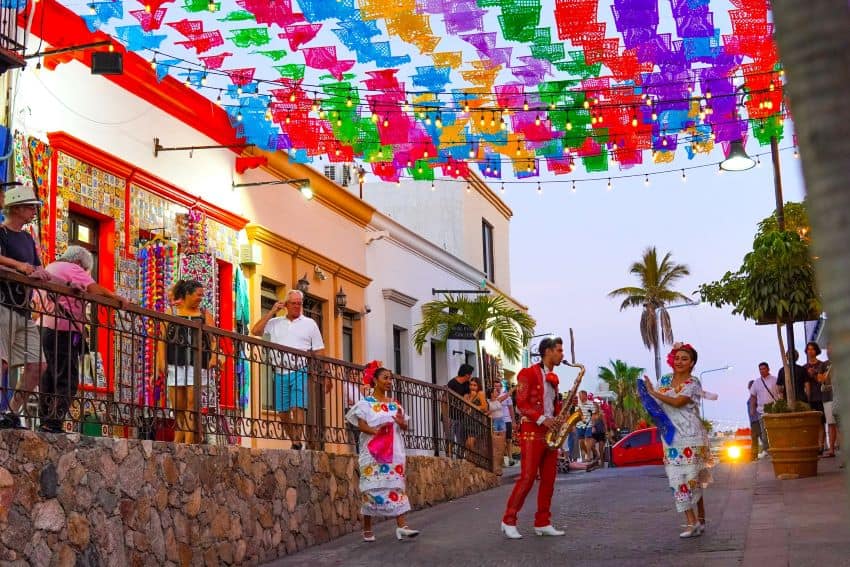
pixel 367 309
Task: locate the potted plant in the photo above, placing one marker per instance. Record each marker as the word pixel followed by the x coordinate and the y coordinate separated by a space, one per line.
pixel 776 284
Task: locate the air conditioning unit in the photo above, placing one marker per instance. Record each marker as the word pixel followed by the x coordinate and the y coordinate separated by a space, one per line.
pixel 250 254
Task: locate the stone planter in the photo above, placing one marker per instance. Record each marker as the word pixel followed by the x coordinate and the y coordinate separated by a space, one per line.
pixel 793 439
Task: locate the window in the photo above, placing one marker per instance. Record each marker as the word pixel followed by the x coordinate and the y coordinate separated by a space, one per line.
pixel 487 241
pixel 471 359
pixel 83 231
pixel 314 309
pixel 399 337
pixel 640 439
pixel 268 295
pixel 330 172
pixel 347 338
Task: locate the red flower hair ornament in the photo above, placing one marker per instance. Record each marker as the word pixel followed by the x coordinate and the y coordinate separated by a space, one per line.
pixel 369 372
pixel 671 356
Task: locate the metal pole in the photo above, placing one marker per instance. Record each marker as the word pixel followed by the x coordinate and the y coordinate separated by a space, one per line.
pixel 780 223
pixel 657 345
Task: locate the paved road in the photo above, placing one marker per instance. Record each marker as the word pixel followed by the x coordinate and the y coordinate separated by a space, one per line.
pixel 613 517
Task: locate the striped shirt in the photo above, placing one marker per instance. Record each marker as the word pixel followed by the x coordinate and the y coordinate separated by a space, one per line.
pixel 587 409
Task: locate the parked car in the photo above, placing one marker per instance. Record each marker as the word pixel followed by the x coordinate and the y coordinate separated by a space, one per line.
pixel 638 448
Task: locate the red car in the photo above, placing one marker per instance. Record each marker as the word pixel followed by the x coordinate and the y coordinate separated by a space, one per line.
pixel 638 448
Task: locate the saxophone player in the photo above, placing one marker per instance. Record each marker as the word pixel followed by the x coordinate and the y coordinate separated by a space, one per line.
pixel 539 401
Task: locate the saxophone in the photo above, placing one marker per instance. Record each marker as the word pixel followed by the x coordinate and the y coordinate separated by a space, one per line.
pixel 565 421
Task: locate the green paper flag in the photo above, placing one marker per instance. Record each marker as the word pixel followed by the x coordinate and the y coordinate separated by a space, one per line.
pixel 274 54
pixel 237 16
pixel 250 36
pixel 291 71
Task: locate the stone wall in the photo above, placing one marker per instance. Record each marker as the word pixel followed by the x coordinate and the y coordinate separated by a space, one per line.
pixel 72 500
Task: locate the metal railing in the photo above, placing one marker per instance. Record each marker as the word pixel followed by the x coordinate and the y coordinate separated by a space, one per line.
pixel 12 35
pixel 82 362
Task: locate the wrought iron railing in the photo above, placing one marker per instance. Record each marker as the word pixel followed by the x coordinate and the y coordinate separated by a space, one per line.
pixel 120 370
pixel 12 34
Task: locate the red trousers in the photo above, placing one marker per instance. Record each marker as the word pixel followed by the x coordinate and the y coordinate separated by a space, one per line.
pixel 536 458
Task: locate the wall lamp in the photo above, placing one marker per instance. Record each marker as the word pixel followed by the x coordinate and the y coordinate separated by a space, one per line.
pixel 341 301
pixel 304 185
pixel 303 284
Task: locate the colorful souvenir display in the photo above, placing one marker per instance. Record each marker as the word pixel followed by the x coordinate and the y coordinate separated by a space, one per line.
pixel 414 86
pixel 192 230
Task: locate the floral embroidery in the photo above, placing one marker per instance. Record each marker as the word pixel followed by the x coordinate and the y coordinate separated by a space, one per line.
pixel 672 453
pixel 394 496
pixel 399 469
pixel 385 469
pixel 688 452
pixel 393 406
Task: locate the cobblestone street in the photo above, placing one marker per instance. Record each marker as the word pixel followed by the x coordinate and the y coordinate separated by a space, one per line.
pixel 624 517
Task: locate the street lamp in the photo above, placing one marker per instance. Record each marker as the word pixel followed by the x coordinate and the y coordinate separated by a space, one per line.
pixel 658 331
pixel 702 400
pixel 738 159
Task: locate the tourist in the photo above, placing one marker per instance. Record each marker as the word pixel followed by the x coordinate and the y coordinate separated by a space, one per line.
pixel 508 418
pixel 584 428
pixel 814 368
pixel 297 331
pixel 383 491
pixel 800 378
pixel 460 386
pixel 539 402
pixel 20 343
pixel 175 357
pixel 687 456
pixel 828 396
pixel 494 410
pixel 478 400
pixel 762 391
pixel 598 434
pixel 63 337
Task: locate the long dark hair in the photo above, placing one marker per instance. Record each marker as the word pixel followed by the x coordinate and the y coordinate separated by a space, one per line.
pixel 186 287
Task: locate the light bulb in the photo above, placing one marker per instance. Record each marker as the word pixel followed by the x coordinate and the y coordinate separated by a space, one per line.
pixel 758 161
pixel 349 102
pixel 338 122
pixel 433 187
pixel 153 62
pixel 92 10
pixel 600 119
pixel 438 122
pixel 239 116
pixel 708 95
pixel 471 152
pixel 569 125
pixel 772 87
pixel 609 184
pixel 468 188
pixel 375 118
pixel 503 188
pixel 539 189
pixel 537 120
pixel 481 122
pixel 492 121
pixel 684 177
pixel 427 121
pixel 211 6
pixel 292 97
pixel 646 181
pixel 719 170
pixel 573 189
pixel 648 102
pixel 386 122
pixel 288 120
pixel 322 114
pixel 586 104
pixel 504 125
pixel 239 91
pixel 796 153
pixel 664 141
pixel 525 104
pixel 465 105
pixel 551 106
pixel 425 154
pixel 654 116
pixel 634 122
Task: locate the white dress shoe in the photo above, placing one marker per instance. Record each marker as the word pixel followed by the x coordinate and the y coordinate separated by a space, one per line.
pixel 692 531
pixel 548 531
pixel 510 531
pixel 405 532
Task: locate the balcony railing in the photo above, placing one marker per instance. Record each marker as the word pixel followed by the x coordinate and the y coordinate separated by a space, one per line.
pixel 105 373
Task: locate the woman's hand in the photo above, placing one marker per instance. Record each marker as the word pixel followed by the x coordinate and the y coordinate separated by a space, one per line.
pixel 400 419
pixel 650 388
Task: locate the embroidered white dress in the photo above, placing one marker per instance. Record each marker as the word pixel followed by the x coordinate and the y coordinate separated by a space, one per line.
pixel 382 484
pixel 688 458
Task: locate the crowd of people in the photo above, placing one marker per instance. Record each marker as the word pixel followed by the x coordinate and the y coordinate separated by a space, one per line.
pixel 812 385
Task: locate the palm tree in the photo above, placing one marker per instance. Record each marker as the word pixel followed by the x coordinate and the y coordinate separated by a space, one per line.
pixel 509 327
pixel 655 291
pixel 622 381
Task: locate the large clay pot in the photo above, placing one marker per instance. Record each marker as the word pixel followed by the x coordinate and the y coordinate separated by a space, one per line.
pixel 793 439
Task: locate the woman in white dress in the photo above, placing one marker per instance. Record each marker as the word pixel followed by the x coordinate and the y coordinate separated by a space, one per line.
pixel 381 421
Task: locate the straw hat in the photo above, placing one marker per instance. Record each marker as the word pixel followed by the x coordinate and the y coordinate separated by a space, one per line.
pixel 21 195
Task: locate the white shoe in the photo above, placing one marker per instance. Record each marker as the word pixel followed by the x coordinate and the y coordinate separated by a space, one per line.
pixel 510 531
pixel 692 531
pixel 548 531
pixel 405 532
pixel 763 454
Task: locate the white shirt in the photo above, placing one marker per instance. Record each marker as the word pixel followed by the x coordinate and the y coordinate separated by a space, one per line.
pixel 762 394
pixel 549 393
pixel 301 333
pixel 587 408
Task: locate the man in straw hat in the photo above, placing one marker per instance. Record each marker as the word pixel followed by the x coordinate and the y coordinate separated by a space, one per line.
pixel 19 338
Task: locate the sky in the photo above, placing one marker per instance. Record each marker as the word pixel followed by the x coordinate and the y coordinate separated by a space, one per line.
pixel 568 250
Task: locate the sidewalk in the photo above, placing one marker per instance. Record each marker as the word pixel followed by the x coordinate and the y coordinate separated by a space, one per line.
pixel 624 517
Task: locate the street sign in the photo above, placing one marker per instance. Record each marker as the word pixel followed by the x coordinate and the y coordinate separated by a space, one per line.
pixel 463 332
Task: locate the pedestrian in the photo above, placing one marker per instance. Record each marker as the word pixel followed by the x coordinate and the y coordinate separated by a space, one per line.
pixel 539 402
pixel 355 390
pixel 478 400
pixel 815 367
pixel 63 338
pixel 762 391
pixel 599 433
pixel 828 396
pixel 687 455
pixel 175 357
pixel 508 418
pixel 295 330
pixel 20 342
pixel 460 386
pixel 800 378
pixel 383 488
pixel 584 428
pixel 494 410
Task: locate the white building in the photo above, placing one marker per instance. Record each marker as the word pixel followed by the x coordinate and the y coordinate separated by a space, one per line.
pixel 448 236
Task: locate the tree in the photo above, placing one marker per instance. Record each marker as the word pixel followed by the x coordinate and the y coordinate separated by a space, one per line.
pixel 655 291
pixel 775 284
pixel 622 381
pixel 509 327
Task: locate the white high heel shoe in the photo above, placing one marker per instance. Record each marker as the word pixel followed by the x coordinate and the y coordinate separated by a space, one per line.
pixel 548 531
pixel 405 533
pixel 510 531
pixel 692 531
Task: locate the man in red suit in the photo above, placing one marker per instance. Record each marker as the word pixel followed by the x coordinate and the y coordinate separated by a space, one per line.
pixel 539 401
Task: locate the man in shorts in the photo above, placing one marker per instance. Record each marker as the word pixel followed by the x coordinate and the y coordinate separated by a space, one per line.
pixel 293 330
pixel 20 342
pixel 584 428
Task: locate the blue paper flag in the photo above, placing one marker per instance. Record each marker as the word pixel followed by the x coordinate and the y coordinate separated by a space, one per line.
pixel 665 426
